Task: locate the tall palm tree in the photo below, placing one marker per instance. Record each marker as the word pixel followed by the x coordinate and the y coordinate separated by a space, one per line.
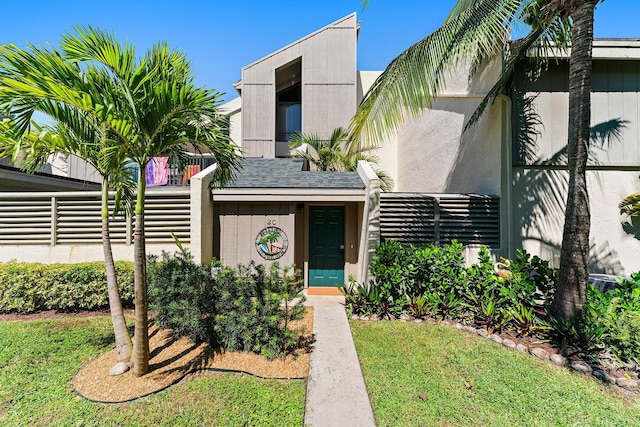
pixel 74 133
pixel 161 113
pixel 475 31
pixel 149 107
pixel 337 154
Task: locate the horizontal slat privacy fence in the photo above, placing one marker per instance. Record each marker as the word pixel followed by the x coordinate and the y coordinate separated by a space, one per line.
pixel 74 218
pixel 415 218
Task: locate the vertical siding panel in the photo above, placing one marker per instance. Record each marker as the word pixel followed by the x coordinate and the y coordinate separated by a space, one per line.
pixel 616 110
pixel 629 138
pixel 558 126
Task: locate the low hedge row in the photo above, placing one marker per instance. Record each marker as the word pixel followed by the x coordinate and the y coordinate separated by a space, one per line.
pixel 30 287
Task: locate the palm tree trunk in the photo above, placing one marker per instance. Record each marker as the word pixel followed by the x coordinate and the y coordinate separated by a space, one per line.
pixel 574 256
pixel 123 340
pixel 141 336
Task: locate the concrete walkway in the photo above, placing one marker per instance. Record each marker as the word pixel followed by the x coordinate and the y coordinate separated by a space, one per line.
pixel 336 394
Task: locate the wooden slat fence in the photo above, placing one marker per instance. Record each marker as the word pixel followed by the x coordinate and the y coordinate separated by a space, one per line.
pixel 416 218
pixel 74 218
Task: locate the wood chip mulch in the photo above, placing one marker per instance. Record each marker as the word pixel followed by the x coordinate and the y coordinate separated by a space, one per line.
pixel 174 361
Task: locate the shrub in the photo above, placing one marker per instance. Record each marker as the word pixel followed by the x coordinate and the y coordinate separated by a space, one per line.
pixel 254 309
pixel 29 287
pixel 513 300
pixel 183 296
pixel 618 310
pixel 248 308
pixel 437 269
pixel 391 270
pixel 367 300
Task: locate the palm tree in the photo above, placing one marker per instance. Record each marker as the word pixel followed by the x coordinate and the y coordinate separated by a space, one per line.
pixel 475 31
pixel 74 133
pixel 148 107
pixel 161 113
pixel 336 154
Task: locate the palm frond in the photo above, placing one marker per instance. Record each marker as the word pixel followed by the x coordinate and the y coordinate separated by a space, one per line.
pixel 630 205
pixel 412 80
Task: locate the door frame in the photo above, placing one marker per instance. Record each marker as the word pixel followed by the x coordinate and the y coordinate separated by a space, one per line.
pixel 307 235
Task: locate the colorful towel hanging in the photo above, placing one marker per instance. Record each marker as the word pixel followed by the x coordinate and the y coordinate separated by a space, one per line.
pixel 189 171
pixel 157 172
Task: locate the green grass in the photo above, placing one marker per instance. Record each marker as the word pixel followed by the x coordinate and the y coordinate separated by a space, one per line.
pixel 38 360
pixel 402 360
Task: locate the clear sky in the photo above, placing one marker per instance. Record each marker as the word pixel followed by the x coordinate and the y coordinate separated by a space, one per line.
pixel 220 37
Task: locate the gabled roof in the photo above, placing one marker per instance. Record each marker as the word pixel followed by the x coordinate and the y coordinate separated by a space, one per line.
pixel 308 36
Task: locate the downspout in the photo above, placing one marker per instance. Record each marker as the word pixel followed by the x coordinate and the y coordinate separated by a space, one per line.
pixel 507 176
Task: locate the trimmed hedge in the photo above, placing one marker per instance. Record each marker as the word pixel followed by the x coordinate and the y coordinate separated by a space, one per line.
pixel 30 287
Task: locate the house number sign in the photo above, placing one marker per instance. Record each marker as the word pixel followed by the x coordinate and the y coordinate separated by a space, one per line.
pixel 272 243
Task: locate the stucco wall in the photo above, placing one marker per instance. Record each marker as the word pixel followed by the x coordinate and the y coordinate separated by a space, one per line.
pixel 430 153
pixel 539 202
pixel 434 155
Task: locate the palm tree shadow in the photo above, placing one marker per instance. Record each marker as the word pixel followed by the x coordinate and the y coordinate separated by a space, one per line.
pixel 542 185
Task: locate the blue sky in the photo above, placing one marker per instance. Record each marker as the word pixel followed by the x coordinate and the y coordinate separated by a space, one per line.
pixel 221 37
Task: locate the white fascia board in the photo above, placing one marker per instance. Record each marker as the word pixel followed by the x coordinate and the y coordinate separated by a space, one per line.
pixel 288 195
pixel 607 49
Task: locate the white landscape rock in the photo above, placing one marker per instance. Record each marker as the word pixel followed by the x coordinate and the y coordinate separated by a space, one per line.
pixel 470 329
pixel 627 383
pixel 118 369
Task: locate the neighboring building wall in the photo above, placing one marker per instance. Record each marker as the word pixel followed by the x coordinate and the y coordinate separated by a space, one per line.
pixel 540 184
pixel 328 85
pixel 434 156
pixel 79 169
pixel 233 109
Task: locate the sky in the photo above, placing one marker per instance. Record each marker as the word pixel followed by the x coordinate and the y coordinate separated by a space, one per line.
pixel 220 37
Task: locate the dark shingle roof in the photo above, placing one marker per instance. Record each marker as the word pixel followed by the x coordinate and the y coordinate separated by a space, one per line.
pixel 288 173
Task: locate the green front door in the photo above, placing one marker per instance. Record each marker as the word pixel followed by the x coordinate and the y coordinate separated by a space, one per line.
pixel 326 245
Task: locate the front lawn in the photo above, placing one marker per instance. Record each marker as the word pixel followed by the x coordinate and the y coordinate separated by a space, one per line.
pixel 426 375
pixel 39 358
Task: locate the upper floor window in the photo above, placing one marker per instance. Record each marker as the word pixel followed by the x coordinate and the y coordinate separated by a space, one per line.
pixel 288 113
pixel 288 100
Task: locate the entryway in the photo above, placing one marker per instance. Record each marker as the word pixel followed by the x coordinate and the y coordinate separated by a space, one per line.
pixel 326 246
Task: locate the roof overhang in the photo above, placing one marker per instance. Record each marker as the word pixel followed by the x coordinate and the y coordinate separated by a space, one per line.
pixel 288 195
pixel 607 49
pixel 12 179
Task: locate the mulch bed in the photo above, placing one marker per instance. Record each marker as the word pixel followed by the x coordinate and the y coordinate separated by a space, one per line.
pixel 176 360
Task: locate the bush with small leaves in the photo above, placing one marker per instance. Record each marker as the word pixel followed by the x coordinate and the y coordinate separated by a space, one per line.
pixel 30 287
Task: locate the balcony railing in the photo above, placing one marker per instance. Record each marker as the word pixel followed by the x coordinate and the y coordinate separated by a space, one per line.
pixel 161 173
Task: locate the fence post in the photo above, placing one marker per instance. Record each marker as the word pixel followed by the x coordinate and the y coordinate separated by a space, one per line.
pixel 54 220
pixel 436 220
